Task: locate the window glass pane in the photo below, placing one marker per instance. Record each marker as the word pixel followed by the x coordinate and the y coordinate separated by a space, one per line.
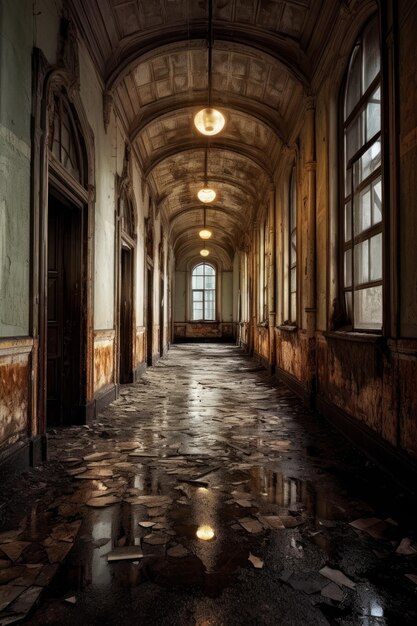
pixel 368 162
pixel 363 211
pixel 376 257
pixel 209 282
pixel 348 182
pixel 362 263
pixel 293 248
pixel 348 221
pixel 293 312
pixel 348 268
pixel 199 270
pixel 348 303
pixel 209 271
pixel 293 279
pixel 377 202
pixel 198 282
pixel 371 54
pixel 197 296
pixel 368 308
pixel 373 114
pixel 354 139
pixel 353 87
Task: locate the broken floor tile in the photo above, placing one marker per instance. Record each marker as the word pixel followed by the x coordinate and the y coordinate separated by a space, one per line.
pixel 178 551
pixel 333 592
pixel 256 561
pixel 337 577
pixel 71 600
pixel 9 593
pixel 131 553
pixel 14 549
pixel 103 501
pixel 146 524
pixel 251 525
pixel 26 600
pixel 364 522
pixel 156 539
pixel 406 547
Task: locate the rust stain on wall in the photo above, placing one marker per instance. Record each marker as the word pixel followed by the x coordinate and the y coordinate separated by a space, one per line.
pixel 14 389
pixel 103 364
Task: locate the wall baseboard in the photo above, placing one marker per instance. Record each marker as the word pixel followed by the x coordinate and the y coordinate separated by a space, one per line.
pixel 307 396
pixel 23 454
pixel 106 397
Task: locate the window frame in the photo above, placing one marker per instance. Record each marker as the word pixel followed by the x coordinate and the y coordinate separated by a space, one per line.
pixel 203 290
pixel 349 199
pixel 292 229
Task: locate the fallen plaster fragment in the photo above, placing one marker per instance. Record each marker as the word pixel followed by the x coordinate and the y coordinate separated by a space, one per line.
pixel 250 525
pixel 26 600
pixel 146 524
pixel 178 551
pixel 412 577
pixel 97 456
pixel 271 521
pixel 364 522
pixel 71 600
pixel 291 522
pixel 256 561
pixel 244 503
pixel 406 548
pixel 14 549
pixel 337 577
pixel 333 592
pixel 95 474
pixel 8 594
pixel 157 539
pixel 125 553
pixel 150 501
pixel 103 501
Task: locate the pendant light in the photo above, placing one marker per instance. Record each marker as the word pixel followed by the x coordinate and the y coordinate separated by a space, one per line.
pixel 206 194
pixel 209 121
pixel 204 252
pixel 205 233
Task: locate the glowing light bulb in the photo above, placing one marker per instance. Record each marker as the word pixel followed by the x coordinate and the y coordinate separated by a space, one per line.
pixel 209 121
pixel 205 233
pixel 205 533
pixel 204 252
pixel 206 195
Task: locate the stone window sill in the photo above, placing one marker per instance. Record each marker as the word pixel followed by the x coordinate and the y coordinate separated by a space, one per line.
pixel 350 335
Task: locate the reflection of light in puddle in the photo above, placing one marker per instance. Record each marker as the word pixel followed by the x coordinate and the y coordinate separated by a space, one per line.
pixel 205 533
pixel 376 609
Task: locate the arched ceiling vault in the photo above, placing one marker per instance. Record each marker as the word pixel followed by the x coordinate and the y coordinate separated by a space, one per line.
pixel 152 56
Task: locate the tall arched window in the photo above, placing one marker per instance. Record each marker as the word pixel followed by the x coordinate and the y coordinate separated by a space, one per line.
pixel 362 193
pixel 203 289
pixel 292 248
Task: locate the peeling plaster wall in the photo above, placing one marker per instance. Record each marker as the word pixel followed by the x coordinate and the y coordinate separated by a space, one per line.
pixel 180 295
pixel 227 297
pixel 108 155
pixel 139 191
pixel 15 110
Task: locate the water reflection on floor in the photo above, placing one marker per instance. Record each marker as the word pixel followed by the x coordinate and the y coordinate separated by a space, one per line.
pixel 204 467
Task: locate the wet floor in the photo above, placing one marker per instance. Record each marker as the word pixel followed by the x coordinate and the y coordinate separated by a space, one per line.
pixel 206 495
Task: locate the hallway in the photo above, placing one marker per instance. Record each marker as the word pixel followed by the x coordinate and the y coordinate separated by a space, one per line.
pixel 206 442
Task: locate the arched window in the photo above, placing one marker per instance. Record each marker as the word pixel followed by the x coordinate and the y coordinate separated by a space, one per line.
pixel 292 248
pixel 203 289
pixel 64 139
pixel 361 223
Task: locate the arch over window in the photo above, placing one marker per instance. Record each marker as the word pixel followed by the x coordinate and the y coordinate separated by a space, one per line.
pixel 64 138
pixel 361 221
pixel 203 290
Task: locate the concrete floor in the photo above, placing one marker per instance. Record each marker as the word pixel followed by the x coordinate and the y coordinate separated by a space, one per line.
pixel 216 443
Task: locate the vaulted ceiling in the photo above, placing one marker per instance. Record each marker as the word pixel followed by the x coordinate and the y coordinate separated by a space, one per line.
pixel 152 56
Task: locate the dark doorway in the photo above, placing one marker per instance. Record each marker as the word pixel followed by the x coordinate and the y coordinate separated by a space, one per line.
pixel 126 308
pixel 149 316
pixel 64 311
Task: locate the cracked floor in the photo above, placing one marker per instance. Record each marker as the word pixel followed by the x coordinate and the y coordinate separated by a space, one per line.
pixel 206 495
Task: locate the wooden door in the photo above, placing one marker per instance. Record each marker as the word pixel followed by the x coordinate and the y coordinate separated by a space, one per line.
pixel 63 313
pixel 126 307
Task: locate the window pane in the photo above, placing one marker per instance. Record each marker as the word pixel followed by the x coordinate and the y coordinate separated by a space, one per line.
pixel 293 312
pixel 209 271
pixel 348 182
pixel 354 139
pixel 362 263
pixel 348 303
pixel 373 115
pixel 293 279
pixel 198 282
pixel 377 203
pixel 376 257
pixel 363 211
pixel 368 162
pixel 293 248
pixel 368 308
pixel 209 282
pixel 348 221
pixel 371 54
pixel 197 296
pixel 199 270
pixel 348 268
pixel 353 88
